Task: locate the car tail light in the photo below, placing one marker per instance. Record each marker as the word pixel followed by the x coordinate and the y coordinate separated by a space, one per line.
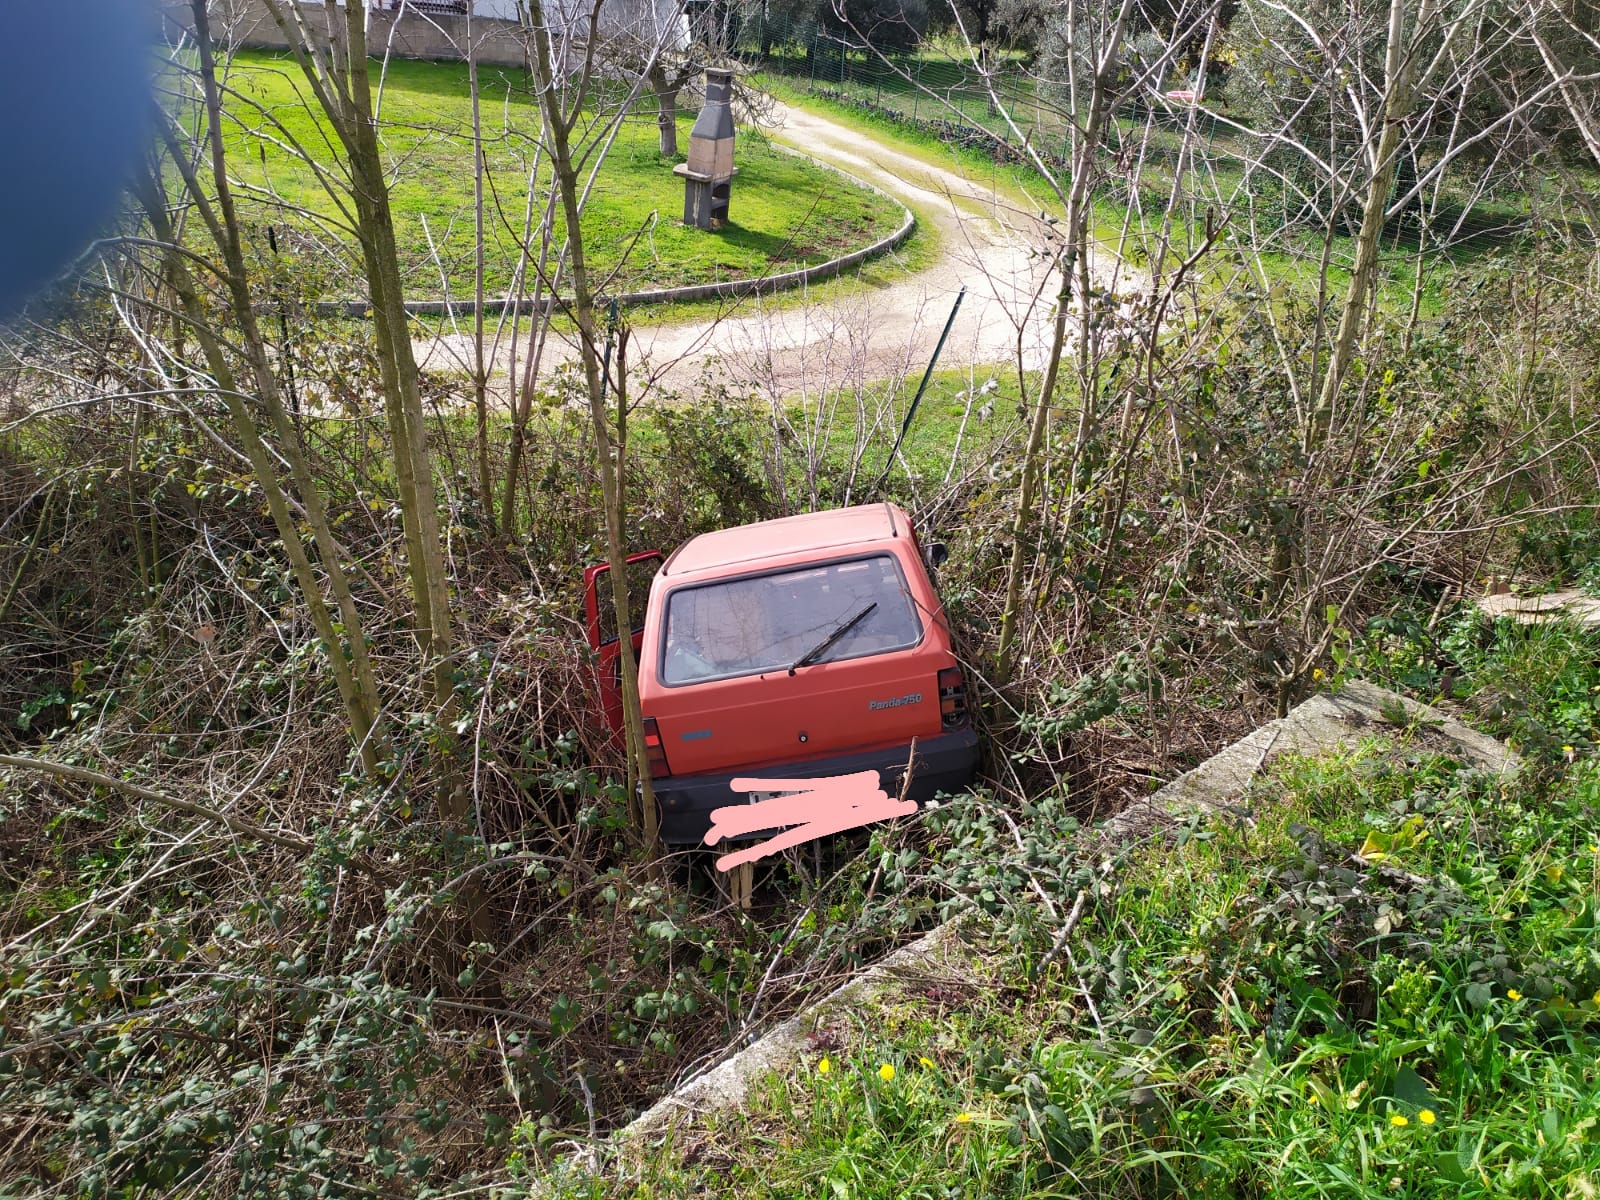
pixel 655 753
pixel 952 697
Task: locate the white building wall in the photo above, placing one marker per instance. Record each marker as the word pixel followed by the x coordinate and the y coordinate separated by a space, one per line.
pixel 439 33
pixel 652 19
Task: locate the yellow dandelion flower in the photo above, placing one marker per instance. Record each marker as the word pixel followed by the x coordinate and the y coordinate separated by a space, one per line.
pixel 1513 994
pixel 1596 999
pixel 1427 1116
pixel 964 1118
pixel 1317 674
pixel 886 1072
pixel 926 1061
pixel 824 1066
pixel 1399 1121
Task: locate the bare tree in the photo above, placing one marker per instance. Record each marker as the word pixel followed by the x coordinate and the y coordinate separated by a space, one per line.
pixel 332 58
pixel 563 97
pixel 1412 113
pixel 1383 130
pixel 347 654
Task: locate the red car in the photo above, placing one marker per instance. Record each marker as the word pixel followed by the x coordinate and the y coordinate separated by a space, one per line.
pixel 806 647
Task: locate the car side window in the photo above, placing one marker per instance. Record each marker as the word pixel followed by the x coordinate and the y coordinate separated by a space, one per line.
pixel 639 576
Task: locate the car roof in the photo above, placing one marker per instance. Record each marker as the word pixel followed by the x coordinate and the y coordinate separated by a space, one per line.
pixel 787 537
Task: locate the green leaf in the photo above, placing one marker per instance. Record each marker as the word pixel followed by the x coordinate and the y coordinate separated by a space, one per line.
pixel 1377 847
pixel 1550 1123
pixel 1323 1094
pixel 1449 1166
pixel 1410 1088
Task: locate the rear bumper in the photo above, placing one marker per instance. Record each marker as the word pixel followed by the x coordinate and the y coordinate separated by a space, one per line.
pixel 943 764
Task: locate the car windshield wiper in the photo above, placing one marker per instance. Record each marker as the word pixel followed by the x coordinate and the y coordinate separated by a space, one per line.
pixel 817 651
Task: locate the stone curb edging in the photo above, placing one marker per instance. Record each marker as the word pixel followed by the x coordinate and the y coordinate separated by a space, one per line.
pixel 1315 726
pixel 1570 605
pixel 1320 724
pixel 727 1083
pixel 726 288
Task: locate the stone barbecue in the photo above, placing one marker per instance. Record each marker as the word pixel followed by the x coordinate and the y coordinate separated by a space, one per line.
pixel 708 175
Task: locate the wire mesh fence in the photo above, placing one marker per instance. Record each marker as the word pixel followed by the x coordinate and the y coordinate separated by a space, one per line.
pixel 999 105
pixel 1002 107
pixel 1001 99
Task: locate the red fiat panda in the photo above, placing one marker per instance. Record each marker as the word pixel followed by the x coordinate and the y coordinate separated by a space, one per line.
pixel 805 647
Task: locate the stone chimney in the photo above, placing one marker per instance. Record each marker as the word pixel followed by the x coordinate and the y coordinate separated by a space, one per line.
pixel 708 174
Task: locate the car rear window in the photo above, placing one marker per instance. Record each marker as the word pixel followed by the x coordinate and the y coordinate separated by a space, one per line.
pixel 768 622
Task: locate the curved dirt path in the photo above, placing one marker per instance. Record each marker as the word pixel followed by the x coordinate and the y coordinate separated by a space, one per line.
pixel 779 347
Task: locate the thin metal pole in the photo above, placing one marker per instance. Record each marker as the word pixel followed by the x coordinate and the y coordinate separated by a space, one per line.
pixel 921 387
pixel 605 359
pixel 278 303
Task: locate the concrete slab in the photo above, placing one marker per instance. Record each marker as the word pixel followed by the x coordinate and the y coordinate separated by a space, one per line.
pixel 1323 723
pixel 936 958
pixel 1570 605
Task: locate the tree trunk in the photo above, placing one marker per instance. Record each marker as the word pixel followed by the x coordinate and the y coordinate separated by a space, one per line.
pixel 666 90
pixel 523 407
pixel 335 69
pixel 1399 74
pixel 351 668
pixel 480 371
pixel 558 126
pixel 1288 550
pixel 397 363
pixel 1074 261
pixel 355 686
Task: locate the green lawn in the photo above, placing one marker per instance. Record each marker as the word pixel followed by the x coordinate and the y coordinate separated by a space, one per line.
pixel 786 212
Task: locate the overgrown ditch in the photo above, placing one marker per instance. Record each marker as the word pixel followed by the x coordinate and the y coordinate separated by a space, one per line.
pixel 403 1005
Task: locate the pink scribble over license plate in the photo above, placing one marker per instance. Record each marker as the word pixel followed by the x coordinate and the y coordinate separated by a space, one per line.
pixel 810 808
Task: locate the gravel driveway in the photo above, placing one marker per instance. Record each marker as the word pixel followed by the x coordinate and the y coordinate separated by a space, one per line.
pixel 781 348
